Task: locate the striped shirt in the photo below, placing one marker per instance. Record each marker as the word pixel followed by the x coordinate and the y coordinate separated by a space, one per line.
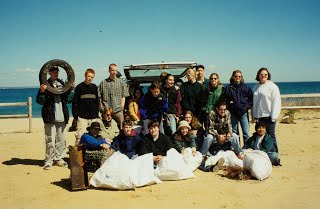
pixel 111 92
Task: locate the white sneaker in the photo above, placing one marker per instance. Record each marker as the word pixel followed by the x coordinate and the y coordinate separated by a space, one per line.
pixel 47 166
pixel 61 163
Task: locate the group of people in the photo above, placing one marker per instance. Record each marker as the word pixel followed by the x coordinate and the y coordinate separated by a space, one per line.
pixel 201 114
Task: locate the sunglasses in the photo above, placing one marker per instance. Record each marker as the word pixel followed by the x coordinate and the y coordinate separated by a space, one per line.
pixel 213 78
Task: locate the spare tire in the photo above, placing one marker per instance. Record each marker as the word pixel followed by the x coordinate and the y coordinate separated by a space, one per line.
pixel 56 63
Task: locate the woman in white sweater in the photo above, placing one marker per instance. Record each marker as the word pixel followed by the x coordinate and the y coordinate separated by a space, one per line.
pixel 266 101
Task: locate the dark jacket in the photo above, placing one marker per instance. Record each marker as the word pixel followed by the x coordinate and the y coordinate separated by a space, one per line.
pixel 173 97
pixel 216 147
pixel 184 143
pixel 126 144
pixel 151 107
pixel 158 147
pixel 267 143
pixel 85 102
pixel 47 99
pixel 91 142
pixel 191 97
pixel 205 83
pixel 239 98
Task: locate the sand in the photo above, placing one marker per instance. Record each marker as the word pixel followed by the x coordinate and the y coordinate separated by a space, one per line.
pixel 24 184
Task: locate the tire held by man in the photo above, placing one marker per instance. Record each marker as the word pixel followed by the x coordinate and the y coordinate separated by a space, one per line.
pixel 58 63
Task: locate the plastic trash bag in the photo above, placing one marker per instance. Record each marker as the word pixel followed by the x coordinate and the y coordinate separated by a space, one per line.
pixel 119 172
pixel 173 167
pixel 258 163
pixel 192 161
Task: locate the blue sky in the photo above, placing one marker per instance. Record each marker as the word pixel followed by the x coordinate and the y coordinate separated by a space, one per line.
pixel 223 35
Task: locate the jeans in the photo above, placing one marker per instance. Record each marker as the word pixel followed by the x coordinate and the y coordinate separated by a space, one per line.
pixel 273 156
pixel 235 143
pixel 271 128
pixel 55 141
pixel 173 124
pixel 202 166
pixel 209 139
pixel 244 122
pixel 118 117
pixel 145 129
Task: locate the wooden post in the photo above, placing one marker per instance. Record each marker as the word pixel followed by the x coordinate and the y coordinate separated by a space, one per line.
pixel 30 113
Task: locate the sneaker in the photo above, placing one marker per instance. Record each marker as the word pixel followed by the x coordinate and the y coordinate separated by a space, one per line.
pixel 61 163
pixel 218 166
pixel 47 166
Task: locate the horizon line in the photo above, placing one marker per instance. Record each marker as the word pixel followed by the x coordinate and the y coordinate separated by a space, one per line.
pixel 5 87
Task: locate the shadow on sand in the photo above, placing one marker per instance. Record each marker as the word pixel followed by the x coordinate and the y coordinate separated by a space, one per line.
pixel 64 184
pixel 19 161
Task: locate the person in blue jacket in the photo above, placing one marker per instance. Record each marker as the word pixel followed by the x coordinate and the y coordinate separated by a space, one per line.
pixel 239 99
pixel 126 141
pixel 93 140
pixel 152 105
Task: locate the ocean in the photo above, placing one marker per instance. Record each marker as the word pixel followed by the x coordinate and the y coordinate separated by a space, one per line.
pixel 19 94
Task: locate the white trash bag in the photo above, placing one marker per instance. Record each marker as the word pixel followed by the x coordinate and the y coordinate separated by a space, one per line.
pixel 230 159
pixel 258 163
pixel 173 167
pixel 119 172
pixel 192 161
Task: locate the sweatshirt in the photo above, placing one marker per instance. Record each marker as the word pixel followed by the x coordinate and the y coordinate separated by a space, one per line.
pixel 266 101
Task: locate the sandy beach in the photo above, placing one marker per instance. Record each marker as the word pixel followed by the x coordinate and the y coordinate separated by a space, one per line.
pixel 24 184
